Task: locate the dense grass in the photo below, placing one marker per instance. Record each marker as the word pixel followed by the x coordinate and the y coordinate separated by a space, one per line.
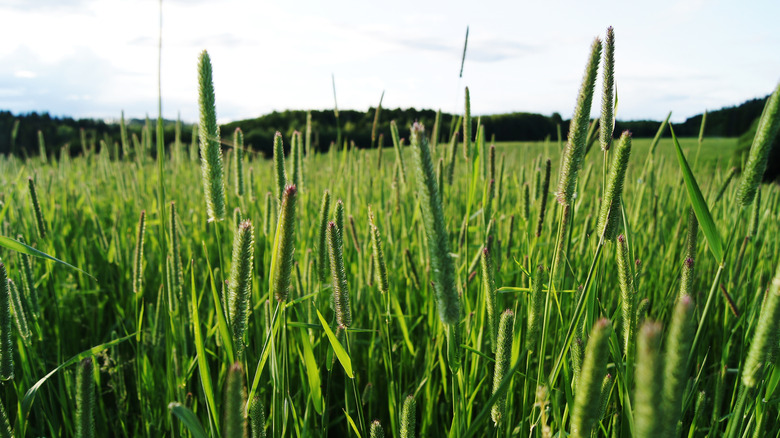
pixel 397 346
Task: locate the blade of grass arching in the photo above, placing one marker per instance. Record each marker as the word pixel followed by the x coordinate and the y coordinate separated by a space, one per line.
pixel 13 245
pixel 29 396
pixel 699 205
pixel 351 423
pixel 312 372
pixel 341 354
pixel 203 366
pixel 188 418
pixel 222 325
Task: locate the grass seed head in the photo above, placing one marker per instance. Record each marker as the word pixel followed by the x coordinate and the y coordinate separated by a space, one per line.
pixel 610 217
pixel 578 129
pixel 339 277
pixel 235 423
pixel 503 355
pixel 240 283
pixel 285 246
pixel 408 417
pixel 210 150
pixel 758 156
pixel 594 367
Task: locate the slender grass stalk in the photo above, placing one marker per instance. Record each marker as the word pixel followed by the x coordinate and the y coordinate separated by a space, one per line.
pixel 399 155
pixel 491 296
pixel 6 336
pixel 627 292
pixel 578 129
pixel 607 121
pixel 725 185
pixel 177 274
pixel 453 155
pixel 678 343
pixel 380 268
pixel 240 284
pixel 353 233
pixel 267 214
pixel 281 175
pixel 210 149
pixel 467 127
pixel 586 410
pixel 37 208
pixel 42 147
pixel 610 218
pixel 543 193
pixel 85 400
pixel 322 259
pixel 138 259
pixel 648 406
pixel 338 276
pixel 281 269
pixel 18 309
pixel 235 423
pixel 297 160
pixel 767 129
pixel 436 128
pixel 535 309
pixel 307 143
pixel 28 282
pixel 238 156
pixel 503 355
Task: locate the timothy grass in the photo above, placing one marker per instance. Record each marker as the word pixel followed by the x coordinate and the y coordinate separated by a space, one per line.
pixel 163 367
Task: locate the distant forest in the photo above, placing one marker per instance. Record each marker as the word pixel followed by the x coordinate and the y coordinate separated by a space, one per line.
pixel 19 134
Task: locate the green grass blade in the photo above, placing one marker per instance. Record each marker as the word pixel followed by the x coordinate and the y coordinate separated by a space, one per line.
pixel 13 245
pixel 341 354
pixel 706 222
pixel 203 366
pixel 188 418
pixel 29 396
pixel 312 372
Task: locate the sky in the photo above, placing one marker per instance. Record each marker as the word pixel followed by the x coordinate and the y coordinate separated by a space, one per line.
pixel 97 58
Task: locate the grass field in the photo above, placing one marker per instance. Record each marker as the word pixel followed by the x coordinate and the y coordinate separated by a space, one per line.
pixel 649 334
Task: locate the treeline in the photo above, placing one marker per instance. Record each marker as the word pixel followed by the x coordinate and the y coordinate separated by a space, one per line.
pixel 19 134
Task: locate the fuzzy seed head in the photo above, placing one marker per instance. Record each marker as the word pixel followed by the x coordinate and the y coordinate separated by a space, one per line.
pixel 210 149
pixel 284 245
pixel 240 283
pixel 648 415
pixel 442 266
pixel 376 430
pixel 503 355
pixel 408 417
pixel 594 367
pixel 339 277
pixel 380 269
pixel 578 129
pixel 85 400
pixel 758 156
pixel 765 336
pixel 322 261
pixel 607 122
pixel 610 217
pixel 235 423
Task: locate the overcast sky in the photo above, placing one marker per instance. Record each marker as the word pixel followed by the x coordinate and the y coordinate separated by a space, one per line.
pixel 90 58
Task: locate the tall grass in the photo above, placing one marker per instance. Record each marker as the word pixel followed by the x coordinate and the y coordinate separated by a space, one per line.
pixel 408 338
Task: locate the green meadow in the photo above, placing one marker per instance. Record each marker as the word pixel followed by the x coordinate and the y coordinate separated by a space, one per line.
pixel 461 289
